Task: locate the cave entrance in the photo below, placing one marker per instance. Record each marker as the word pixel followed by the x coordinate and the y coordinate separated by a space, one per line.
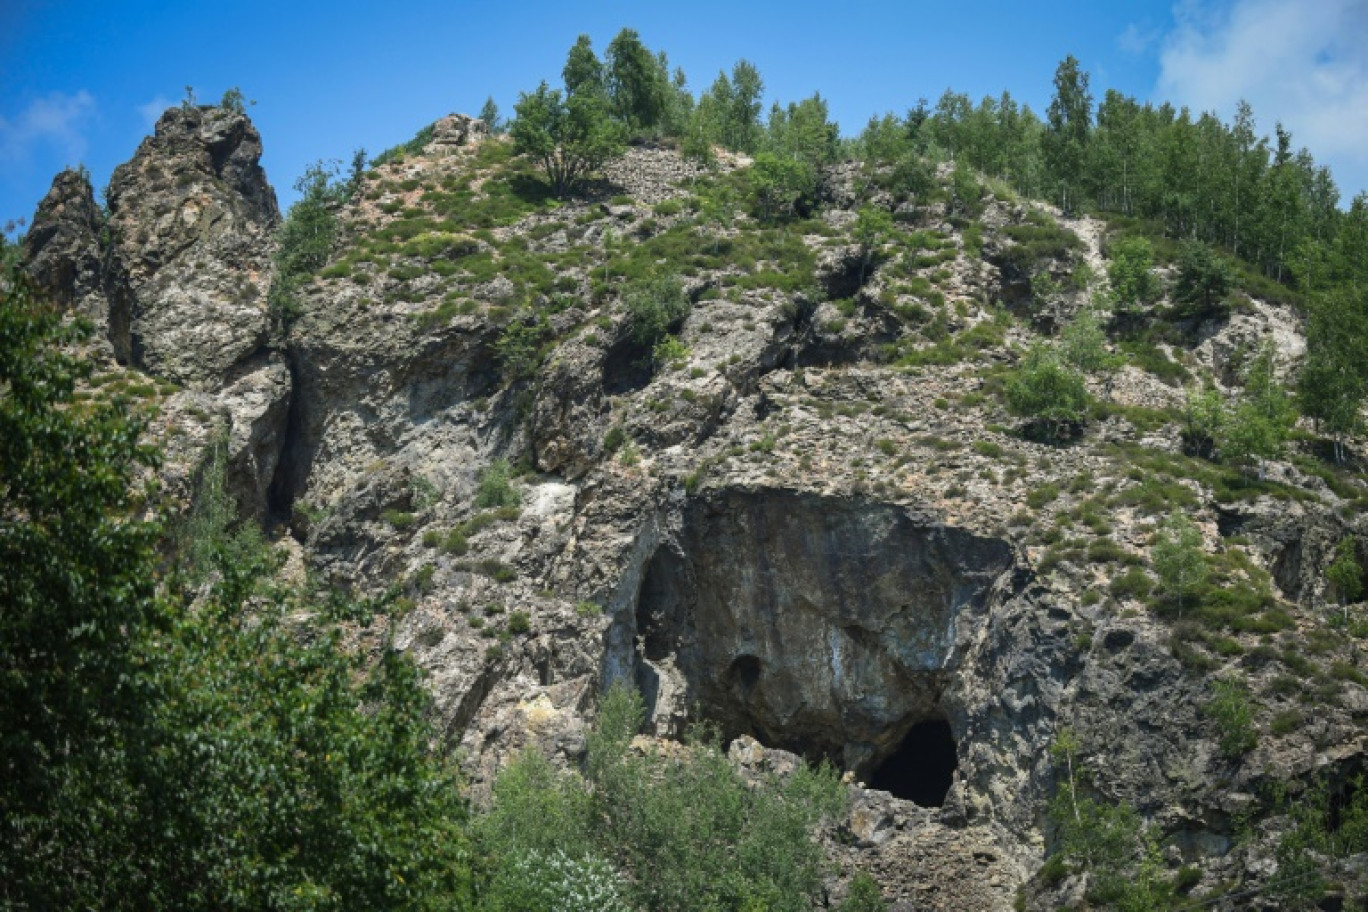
pixel 922 769
pixel 818 625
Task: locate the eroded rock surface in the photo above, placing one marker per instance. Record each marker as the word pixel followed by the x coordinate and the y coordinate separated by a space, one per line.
pixel 192 218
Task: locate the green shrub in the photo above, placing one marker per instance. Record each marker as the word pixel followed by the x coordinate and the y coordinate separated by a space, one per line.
pixel 1129 271
pixel 495 487
pixel 654 306
pixel 456 542
pixel 1229 708
pixel 1041 495
pixel 532 881
pixel 987 448
pixel 1038 241
pixel 864 895
pixel 1204 280
pixel 1133 584
pixel 669 352
pixel 496 570
pixel 1108 840
pixel 519 623
pixel 1046 390
pixel 399 519
pixel 708 839
pixel 1286 722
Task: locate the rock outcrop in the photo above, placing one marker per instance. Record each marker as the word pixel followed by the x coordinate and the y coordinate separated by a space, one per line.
pixel 175 277
pixel 808 519
pixel 63 251
pixel 192 218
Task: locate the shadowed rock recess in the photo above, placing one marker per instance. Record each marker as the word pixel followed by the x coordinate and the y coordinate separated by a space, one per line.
pixel 820 625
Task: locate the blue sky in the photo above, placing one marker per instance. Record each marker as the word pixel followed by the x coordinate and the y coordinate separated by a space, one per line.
pixel 82 82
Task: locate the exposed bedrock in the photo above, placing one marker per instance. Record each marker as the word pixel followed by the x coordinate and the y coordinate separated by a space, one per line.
pixel 192 221
pixel 828 626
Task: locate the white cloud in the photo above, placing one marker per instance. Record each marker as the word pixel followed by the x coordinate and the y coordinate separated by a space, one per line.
pixel 153 110
pixel 1301 62
pixel 56 120
pixel 1137 38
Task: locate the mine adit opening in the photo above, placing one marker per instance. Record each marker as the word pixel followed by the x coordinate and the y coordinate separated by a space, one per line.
pixel 818 625
pixel 922 769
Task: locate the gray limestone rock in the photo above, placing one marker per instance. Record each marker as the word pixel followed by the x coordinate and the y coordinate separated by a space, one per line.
pixel 192 219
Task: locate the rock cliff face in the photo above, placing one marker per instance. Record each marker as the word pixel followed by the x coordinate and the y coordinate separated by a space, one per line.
pixel 191 217
pixel 175 277
pixel 63 250
pixel 816 527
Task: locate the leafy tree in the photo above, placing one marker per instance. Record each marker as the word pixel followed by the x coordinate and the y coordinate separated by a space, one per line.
pixel 171 741
pixel 728 113
pixel 1345 573
pixel 520 345
pixel 489 113
pixel 76 582
pixel 1204 421
pixel 1083 344
pixel 306 238
pixel 873 227
pixel 1105 839
pixel 233 100
pixel 966 193
pixel 779 184
pixel 1179 559
pixel 289 773
pixel 707 838
pixel 743 118
pixel 1333 383
pixel 1262 420
pixel 532 881
pixel 568 137
pixel 496 488
pixel 637 81
pixel 1049 391
pixel 583 72
pixel 1204 280
pixel 1066 137
pixel 804 143
pixel 1132 282
pixel 717 210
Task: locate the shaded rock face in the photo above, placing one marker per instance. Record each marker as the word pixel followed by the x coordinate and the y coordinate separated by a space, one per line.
pixel 825 626
pixel 63 248
pixel 192 219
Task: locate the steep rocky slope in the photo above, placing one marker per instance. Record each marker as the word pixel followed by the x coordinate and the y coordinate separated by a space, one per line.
pixel 812 521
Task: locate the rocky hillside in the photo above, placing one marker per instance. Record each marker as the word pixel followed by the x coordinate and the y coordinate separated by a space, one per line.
pixel 772 472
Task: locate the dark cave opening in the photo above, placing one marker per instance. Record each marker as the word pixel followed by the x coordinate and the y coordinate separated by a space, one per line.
pixel 922 769
pixel 626 367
